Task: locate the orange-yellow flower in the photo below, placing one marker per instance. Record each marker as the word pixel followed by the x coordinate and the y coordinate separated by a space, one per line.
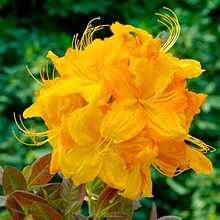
pixel 118 106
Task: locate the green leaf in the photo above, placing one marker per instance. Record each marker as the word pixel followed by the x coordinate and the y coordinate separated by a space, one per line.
pixel 25 199
pixel 93 189
pixel 2 200
pixel 72 196
pixel 27 170
pixel 44 212
pixel 14 208
pixel 40 171
pixel 120 206
pixel 153 212
pixel 51 193
pixel 136 204
pixel 13 180
pixel 95 186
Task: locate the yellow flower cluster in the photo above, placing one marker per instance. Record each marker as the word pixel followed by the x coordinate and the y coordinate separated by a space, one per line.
pixel 120 105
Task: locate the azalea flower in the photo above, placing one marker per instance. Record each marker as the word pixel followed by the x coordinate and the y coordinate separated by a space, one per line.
pixel 118 106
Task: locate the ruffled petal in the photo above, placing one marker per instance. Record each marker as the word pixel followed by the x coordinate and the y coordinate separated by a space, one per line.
pixel 152 76
pixel 171 158
pixel 195 101
pixel 185 68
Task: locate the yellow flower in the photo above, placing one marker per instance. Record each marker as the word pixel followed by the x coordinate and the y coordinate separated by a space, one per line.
pixel 118 106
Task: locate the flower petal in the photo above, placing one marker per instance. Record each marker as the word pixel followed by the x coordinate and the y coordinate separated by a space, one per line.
pixel 198 162
pixel 163 123
pixel 123 122
pixel 82 164
pixel 147 189
pixel 113 171
pixel 134 184
pixel 83 125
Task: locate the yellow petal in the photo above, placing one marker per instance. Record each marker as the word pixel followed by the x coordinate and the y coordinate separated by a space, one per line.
pixel 84 123
pixel 54 167
pixel 137 149
pixel 33 111
pixel 147 189
pixel 66 66
pixel 82 164
pixel 113 171
pixel 120 29
pixel 163 123
pixel 195 101
pixel 123 122
pixel 185 68
pixel 134 184
pixel 153 76
pixel 96 93
pixel 198 162
pixel 171 158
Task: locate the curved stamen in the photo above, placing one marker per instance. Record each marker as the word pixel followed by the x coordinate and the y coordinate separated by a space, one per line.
pixel 25 132
pixel 173 27
pixel 204 148
pixel 87 36
pixel 35 79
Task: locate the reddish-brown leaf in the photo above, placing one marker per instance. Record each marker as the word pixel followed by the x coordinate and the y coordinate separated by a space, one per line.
pixel 153 212
pixel 78 216
pixel 14 209
pixel 13 180
pixel 44 212
pixel 40 171
pixel 169 218
pixel 106 195
pixel 25 199
pixel 72 196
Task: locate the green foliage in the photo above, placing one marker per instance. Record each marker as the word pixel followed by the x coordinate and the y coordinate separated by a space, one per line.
pixel 26 35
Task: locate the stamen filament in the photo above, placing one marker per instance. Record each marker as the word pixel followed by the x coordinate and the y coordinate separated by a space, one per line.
pixel 204 148
pixel 31 74
pixel 173 27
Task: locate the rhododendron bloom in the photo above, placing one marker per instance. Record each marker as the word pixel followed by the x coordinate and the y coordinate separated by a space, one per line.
pixel 118 106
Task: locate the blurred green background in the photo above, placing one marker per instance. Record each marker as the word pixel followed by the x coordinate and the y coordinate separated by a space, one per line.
pixel 28 29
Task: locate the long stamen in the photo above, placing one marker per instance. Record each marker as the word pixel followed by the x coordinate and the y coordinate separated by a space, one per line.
pixel 173 27
pixel 31 74
pixel 87 36
pixel 25 132
pixel 204 148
